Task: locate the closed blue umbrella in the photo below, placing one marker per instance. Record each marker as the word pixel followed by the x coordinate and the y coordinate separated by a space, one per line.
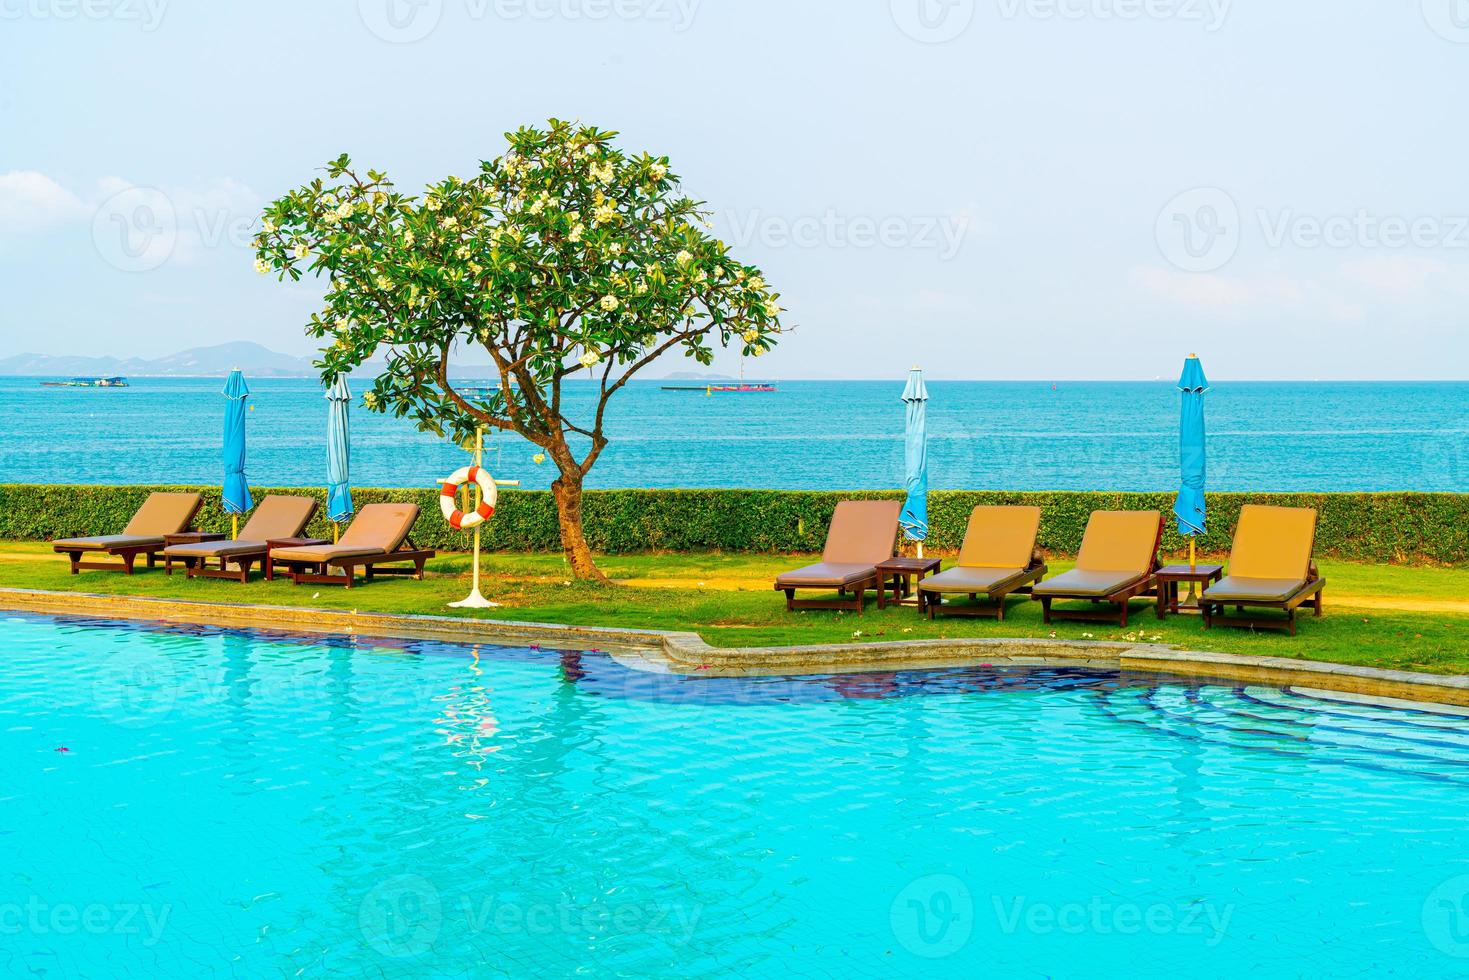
pixel 338 451
pixel 914 519
pixel 236 487
pixel 1189 507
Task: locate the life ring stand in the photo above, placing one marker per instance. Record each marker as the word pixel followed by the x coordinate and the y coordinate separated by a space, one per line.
pixel 449 492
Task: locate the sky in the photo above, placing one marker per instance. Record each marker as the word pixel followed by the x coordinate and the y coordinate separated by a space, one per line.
pixel 1009 189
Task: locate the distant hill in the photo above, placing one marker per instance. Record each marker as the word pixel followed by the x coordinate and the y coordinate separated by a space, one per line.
pixel 219 360
pixel 695 376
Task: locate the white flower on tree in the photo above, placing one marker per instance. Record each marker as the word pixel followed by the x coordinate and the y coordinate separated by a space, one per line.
pixel 503 261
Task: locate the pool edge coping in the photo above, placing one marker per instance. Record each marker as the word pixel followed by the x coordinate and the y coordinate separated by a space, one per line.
pixel 686 652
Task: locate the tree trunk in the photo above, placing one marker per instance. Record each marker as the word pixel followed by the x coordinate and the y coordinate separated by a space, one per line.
pixel 567 490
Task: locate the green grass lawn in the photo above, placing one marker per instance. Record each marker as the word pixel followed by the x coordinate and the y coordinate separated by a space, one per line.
pixel 1381 616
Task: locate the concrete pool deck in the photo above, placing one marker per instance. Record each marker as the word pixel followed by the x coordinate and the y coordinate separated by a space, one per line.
pixel 688 653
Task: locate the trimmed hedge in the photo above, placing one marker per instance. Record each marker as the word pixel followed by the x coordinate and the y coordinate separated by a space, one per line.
pixel 1398 528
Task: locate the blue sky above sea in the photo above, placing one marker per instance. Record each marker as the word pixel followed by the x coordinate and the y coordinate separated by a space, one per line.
pixel 1018 189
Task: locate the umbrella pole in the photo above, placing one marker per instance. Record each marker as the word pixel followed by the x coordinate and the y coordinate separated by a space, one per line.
pixel 1193 566
pixel 336 531
pixel 234 527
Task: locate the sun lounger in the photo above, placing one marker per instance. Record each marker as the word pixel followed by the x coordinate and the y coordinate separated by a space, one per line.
pixel 378 536
pixel 862 533
pixel 1119 554
pixel 161 514
pixel 998 559
pixel 1270 567
pixel 277 516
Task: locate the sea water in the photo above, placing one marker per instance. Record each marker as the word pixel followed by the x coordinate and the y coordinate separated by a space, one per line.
pixel 807 435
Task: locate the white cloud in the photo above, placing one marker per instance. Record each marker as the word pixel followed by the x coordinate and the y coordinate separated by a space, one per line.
pixel 1401 275
pixel 31 202
pixel 1210 291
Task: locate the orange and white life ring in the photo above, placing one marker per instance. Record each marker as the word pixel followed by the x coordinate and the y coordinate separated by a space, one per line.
pixel 448 494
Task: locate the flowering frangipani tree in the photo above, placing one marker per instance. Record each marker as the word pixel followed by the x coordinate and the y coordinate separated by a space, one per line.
pixel 564 257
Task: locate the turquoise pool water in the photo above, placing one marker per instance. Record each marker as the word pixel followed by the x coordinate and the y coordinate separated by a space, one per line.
pixel 239 803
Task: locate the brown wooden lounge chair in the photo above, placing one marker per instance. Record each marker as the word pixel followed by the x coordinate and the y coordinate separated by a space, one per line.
pixel 862 533
pixel 378 536
pixel 1119 554
pixel 998 559
pixel 277 516
pixel 161 514
pixel 1270 566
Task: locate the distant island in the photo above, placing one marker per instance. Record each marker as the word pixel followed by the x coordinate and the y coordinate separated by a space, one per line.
pixel 696 376
pixel 217 361
pixel 199 362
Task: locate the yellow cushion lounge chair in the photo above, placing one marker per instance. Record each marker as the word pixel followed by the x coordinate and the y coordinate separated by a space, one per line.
pixel 1270 566
pixel 1119 554
pixel 161 513
pixel 998 559
pixel 862 533
pixel 378 536
pixel 277 516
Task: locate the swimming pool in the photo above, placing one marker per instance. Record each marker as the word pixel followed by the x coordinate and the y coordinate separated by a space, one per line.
pixel 181 801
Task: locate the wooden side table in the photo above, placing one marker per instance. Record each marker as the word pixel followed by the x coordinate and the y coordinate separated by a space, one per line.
pixel 275 543
pixel 185 537
pixel 1169 577
pixel 192 537
pixel 903 574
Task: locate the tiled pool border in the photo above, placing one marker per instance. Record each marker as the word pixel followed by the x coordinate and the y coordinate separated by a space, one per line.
pixel 689 653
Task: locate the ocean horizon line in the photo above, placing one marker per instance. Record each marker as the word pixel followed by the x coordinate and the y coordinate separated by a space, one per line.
pixel 694 382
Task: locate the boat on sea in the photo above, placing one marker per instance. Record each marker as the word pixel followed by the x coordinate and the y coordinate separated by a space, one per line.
pixel 87 383
pixel 738 387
